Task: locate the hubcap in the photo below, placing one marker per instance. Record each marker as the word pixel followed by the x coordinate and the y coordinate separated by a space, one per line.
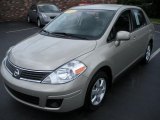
pixel 98 91
pixel 38 23
pixel 148 53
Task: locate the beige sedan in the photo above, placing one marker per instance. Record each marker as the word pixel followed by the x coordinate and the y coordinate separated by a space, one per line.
pixel 73 61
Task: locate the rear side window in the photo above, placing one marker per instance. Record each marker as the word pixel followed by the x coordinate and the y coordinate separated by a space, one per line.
pixel 138 19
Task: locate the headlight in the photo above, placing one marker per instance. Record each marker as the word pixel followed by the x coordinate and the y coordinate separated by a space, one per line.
pixel 9 50
pixel 45 16
pixel 66 73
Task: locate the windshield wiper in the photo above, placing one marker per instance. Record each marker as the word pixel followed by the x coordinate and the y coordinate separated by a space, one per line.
pixel 69 35
pixel 45 31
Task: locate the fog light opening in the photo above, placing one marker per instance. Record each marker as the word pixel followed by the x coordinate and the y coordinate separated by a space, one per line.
pixel 54 103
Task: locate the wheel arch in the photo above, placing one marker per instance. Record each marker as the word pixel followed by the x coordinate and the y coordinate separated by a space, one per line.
pixel 105 68
pixel 151 42
pixel 108 71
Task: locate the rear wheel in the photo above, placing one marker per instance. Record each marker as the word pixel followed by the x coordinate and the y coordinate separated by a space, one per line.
pixel 97 90
pixel 28 19
pixel 148 52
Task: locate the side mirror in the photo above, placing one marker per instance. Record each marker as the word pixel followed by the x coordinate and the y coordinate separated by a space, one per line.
pixel 123 36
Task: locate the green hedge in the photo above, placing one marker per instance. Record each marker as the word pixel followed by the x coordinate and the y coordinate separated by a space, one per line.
pixel 152 7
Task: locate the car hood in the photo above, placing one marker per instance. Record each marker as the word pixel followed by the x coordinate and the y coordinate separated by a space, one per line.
pixel 52 14
pixel 47 53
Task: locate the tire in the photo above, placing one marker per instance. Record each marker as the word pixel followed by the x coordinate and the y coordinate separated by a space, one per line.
pixel 28 19
pixel 39 22
pixel 147 55
pixel 97 90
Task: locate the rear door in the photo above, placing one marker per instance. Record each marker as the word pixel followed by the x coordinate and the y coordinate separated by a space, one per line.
pixel 140 32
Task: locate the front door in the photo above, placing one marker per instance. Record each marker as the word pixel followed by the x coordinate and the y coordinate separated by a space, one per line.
pixel 122 55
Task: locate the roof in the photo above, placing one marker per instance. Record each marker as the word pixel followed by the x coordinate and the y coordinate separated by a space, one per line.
pixel 102 6
pixel 44 4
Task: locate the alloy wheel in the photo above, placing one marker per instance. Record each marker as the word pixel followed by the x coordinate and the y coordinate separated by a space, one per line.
pixel 98 91
pixel 148 53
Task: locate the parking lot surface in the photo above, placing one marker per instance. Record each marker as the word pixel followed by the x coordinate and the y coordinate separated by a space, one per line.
pixel 134 96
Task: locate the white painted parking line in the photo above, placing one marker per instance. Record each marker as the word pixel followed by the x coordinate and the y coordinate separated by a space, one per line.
pixel 157 32
pixel 21 30
pixel 155 53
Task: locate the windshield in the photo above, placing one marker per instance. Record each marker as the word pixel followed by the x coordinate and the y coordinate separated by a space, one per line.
pixel 88 24
pixel 47 8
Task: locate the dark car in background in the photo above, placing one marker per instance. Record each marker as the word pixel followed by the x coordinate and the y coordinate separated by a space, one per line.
pixel 42 13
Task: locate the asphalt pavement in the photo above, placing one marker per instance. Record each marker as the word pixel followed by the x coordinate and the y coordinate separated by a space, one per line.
pixel 134 96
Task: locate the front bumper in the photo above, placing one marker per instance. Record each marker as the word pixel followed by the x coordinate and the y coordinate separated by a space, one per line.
pixel 45 21
pixel 25 91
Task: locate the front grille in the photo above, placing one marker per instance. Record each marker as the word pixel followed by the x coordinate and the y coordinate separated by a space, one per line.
pixel 10 67
pixel 24 74
pixel 52 17
pixel 27 98
pixel 33 75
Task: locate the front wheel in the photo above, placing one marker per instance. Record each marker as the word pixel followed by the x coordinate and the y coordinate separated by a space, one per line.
pixel 39 23
pixel 97 90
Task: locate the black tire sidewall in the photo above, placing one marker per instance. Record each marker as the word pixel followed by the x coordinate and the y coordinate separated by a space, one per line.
pixel 88 105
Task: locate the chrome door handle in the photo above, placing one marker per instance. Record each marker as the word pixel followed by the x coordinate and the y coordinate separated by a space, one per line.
pixel 134 38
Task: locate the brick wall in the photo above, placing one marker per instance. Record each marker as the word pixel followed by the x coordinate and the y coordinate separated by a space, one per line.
pixel 12 10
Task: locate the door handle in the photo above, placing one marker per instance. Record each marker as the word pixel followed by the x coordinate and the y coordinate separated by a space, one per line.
pixel 134 38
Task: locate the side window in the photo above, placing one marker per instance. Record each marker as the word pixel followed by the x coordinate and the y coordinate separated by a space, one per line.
pixel 33 7
pixel 138 19
pixel 122 24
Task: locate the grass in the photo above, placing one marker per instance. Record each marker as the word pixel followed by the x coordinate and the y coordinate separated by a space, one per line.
pixel 155 21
